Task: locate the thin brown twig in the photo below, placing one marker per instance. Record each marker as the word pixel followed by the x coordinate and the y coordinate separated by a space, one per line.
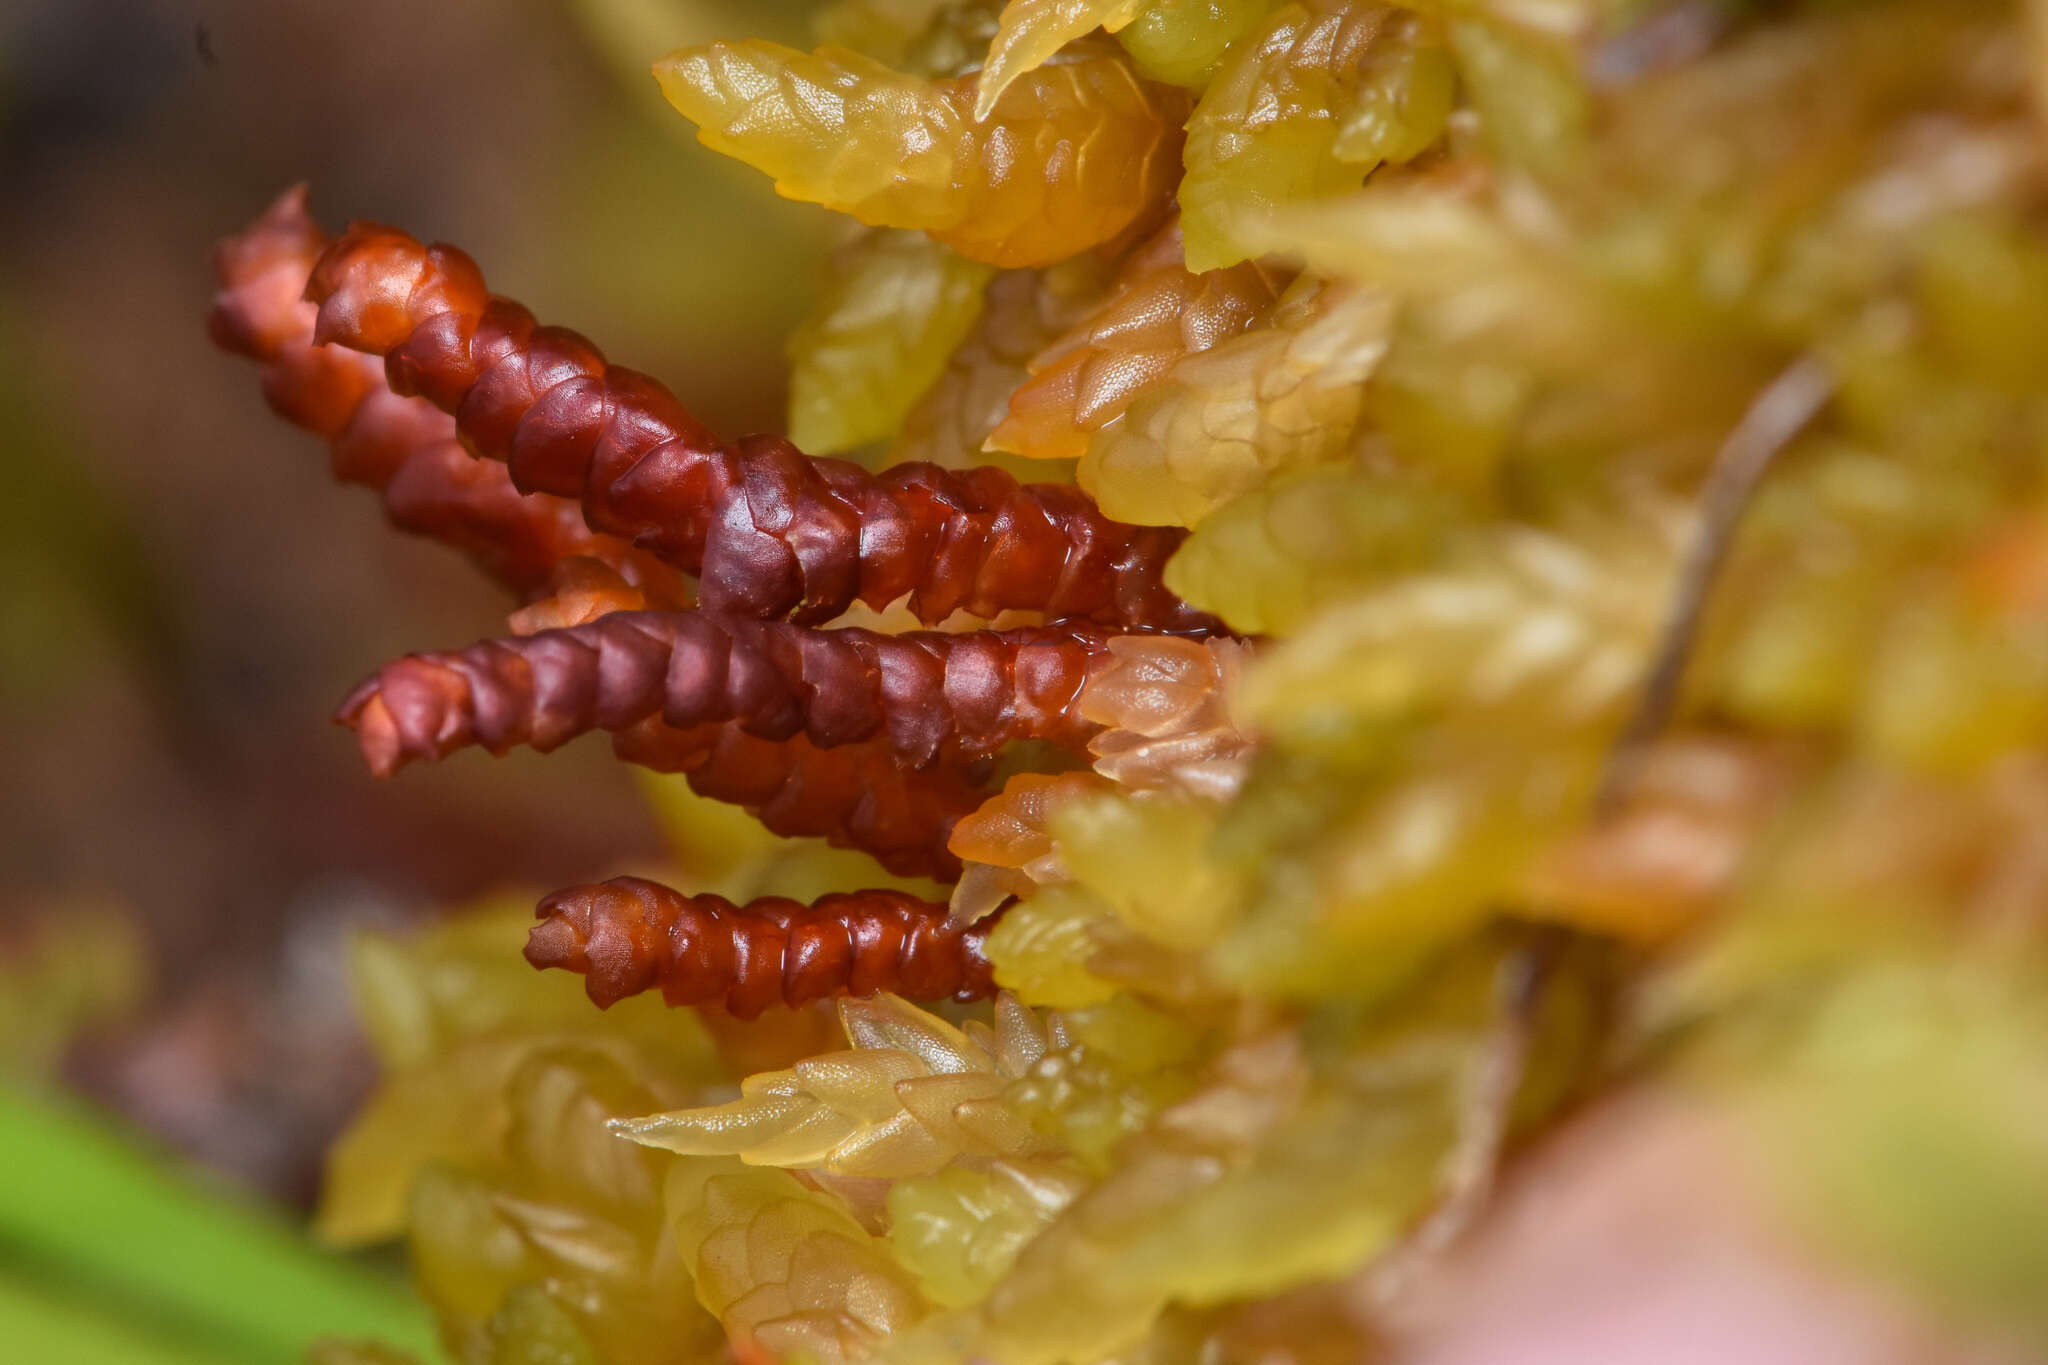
pixel 1484 1112
pixel 1778 414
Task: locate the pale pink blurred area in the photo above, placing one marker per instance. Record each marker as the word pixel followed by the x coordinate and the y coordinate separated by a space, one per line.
pixel 188 592
pixel 1650 1232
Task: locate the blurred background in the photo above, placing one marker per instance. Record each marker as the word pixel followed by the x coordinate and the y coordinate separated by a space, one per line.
pixel 184 591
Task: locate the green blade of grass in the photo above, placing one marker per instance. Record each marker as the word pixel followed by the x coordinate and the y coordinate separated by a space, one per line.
pixel 85 1206
pixel 40 1327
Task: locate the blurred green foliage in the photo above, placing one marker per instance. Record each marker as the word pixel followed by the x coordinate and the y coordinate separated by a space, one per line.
pixel 111 1255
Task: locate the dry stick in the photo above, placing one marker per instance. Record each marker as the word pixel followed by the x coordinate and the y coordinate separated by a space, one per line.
pixel 1777 415
pixel 1485 1104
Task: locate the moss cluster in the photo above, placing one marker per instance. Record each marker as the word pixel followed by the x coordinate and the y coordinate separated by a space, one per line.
pixel 1335 922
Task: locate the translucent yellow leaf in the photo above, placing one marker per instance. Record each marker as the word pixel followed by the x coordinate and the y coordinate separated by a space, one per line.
pixel 733 1128
pixel 1283 398
pixel 1267 560
pixel 1007 843
pixel 785 1265
pixel 1552 629
pixel 884 1107
pixel 1164 704
pixel 992 1124
pixel 481 1256
pixel 893 1145
pixel 1042 947
pixel 808 1140
pixel 1272 1173
pixel 561 1101
pixel 958 1230
pixel 530 1327
pixel 885 1020
pixel 466 1253
pixel 1158 312
pixel 1022 313
pixel 858 1082
pixel 1533 110
pixel 896 305
pixel 933 1100
pixel 1403 98
pixel 422 992
pixel 1065 1296
pixel 1266 129
pixel 1073 154
pixel 454 1113
pixel 1404 866
pixel 538 1098
pixel 1182 41
pixel 1030 31
pixel 1150 862
pixel 984 889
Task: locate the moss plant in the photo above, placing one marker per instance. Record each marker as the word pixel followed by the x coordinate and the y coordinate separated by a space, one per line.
pixel 1534 517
